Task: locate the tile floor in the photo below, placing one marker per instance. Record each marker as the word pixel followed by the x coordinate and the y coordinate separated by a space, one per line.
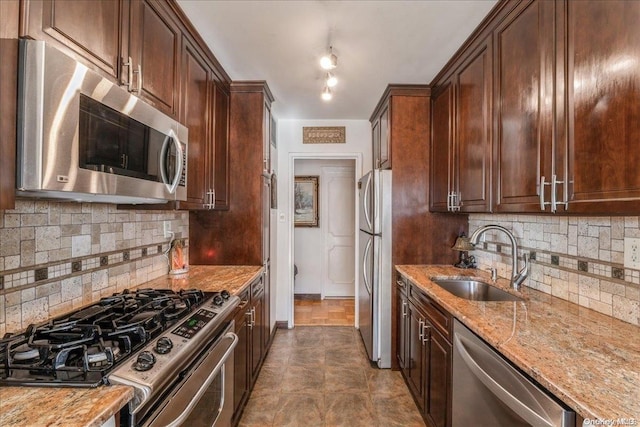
pixel 320 376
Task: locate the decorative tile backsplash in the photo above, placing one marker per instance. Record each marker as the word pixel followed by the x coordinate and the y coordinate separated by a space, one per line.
pixel 580 259
pixel 56 256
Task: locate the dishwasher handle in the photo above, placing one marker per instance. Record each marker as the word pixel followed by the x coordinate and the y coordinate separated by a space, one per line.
pixel 498 390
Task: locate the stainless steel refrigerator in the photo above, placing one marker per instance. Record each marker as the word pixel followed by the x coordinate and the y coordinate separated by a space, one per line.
pixel 374 285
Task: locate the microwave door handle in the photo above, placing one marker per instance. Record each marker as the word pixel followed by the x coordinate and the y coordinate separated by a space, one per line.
pixel 171 186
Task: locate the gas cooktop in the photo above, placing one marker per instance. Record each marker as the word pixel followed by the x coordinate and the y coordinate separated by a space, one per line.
pixel 82 347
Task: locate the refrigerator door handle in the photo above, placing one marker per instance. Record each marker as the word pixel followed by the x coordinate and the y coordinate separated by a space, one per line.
pixel 365 203
pixel 364 264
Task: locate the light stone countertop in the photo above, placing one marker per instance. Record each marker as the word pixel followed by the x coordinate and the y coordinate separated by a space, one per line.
pixel 84 407
pixel 588 360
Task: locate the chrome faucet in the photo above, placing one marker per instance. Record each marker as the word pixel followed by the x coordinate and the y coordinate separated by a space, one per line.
pixel 517 277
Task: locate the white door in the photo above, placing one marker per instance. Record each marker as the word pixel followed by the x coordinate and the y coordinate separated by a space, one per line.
pixel 338 208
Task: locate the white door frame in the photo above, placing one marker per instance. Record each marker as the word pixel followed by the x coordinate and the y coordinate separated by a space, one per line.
pixel 290 256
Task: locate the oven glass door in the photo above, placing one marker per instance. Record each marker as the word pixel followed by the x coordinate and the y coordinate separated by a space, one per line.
pixel 204 397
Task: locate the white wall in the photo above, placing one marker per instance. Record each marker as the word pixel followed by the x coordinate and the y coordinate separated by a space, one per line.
pixel 273 256
pixel 358 136
pixel 309 241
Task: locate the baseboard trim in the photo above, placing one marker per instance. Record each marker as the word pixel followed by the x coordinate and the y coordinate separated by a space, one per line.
pixel 314 297
pixel 281 324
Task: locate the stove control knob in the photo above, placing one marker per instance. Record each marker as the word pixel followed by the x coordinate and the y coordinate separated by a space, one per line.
pixel 145 361
pixel 225 294
pixel 218 300
pixel 164 345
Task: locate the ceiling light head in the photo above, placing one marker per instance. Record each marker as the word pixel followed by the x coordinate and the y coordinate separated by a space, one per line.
pixel 331 80
pixel 329 61
pixel 326 94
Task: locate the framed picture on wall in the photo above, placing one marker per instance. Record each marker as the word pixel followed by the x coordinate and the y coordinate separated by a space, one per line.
pixel 306 201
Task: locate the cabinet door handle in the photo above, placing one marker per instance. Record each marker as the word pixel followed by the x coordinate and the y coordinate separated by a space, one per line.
pixel 542 202
pixel 426 333
pixel 129 66
pixel 404 309
pixel 554 201
pixel 421 329
pixel 253 316
pixel 139 82
pixel 449 201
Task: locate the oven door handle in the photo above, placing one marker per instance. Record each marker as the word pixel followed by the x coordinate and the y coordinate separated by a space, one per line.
pixel 184 398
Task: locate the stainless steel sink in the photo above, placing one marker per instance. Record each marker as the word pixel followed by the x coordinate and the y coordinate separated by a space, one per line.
pixel 474 290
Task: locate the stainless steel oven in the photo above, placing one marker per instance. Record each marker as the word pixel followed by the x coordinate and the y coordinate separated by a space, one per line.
pixel 203 394
pixel 185 376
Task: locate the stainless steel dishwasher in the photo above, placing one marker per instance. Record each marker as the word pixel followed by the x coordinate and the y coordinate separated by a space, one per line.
pixel 488 391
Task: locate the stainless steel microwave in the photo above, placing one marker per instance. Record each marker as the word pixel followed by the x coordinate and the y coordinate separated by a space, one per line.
pixel 84 138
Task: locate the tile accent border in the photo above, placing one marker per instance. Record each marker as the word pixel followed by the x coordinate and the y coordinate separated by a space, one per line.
pixel 16 280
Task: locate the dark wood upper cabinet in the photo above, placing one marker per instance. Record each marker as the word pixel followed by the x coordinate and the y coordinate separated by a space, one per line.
pixel 154 49
pixel 524 69
pixel 461 136
pixel 472 158
pixel 381 134
pixel 384 160
pixel 9 11
pixel 238 236
pixel 442 152
pixel 86 29
pixel 221 150
pixel 603 106
pixel 195 109
pixel 205 111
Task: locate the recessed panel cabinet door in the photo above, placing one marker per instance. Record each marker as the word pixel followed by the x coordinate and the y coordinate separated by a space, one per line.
pixel 221 142
pixel 441 148
pixel 155 49
pixel 416 360
pixel 473 132
pixel 88 28
pixel 196 80
pixel 523 105
pixel 604 106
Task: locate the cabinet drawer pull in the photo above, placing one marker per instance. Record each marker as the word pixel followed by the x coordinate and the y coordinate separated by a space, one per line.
pixel 243 304
pixel 400 283
pixel 249 314
pixel 421 329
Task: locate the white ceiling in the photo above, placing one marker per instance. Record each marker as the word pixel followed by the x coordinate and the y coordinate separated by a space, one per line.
pixel 377 43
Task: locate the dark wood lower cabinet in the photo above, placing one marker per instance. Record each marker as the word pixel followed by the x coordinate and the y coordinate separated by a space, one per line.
pixel 439 378
pixel 424 352
pixel 250 351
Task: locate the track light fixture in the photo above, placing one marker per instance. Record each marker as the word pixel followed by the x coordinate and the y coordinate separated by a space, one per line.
pixel 331 80
pixel 326 94
pixel 329 61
